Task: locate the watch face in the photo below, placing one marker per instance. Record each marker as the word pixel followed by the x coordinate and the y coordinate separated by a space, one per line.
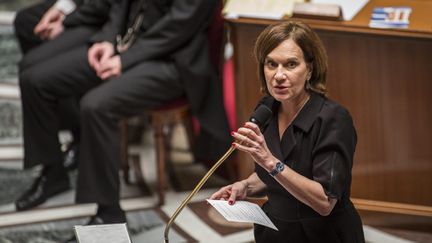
pixel 279 166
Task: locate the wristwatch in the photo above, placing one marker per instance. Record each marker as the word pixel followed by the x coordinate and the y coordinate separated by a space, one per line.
pixel 277 169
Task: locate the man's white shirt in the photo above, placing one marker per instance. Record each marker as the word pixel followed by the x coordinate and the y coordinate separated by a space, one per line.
pixel 66 6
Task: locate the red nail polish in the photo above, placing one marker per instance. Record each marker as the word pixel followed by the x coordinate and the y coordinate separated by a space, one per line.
pixel 233 145
pixel 230 202
pixel 232 133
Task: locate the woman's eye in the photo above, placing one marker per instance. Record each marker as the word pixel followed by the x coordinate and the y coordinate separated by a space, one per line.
pixel 291 64
pixel 271 64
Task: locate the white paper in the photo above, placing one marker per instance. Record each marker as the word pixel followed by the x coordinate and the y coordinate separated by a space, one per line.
pixel 349 7
pixel 266 9
pixel 104 233
pixel 242 211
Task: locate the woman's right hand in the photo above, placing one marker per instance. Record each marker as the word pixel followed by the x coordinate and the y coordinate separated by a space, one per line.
pixel 231 193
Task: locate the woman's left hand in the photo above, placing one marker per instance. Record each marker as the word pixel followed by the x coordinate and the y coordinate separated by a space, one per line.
pixel 250 140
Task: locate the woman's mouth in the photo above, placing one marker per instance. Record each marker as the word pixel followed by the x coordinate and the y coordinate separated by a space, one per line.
pixel 280 88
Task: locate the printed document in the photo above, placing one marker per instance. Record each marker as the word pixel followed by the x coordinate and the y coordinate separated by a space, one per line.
pixel 349 7
pixel 265 9
pixel 242 211
pixel 104 233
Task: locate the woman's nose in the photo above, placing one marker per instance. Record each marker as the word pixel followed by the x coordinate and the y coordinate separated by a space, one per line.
pixel 280 74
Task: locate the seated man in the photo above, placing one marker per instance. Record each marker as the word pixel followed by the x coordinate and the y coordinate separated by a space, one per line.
pixel 35 25
pixel 148 53
pixel 76 29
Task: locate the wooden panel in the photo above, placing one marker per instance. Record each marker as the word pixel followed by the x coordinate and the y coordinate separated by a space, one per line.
pixel 386 84
pixel 385 80
pixel 247 85
pixel 389 207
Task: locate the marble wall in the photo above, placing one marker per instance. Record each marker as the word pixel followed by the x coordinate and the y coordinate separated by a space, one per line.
pixel 10 107
pixel 9 55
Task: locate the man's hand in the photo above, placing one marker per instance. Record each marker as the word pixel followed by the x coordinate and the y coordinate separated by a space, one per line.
pixel 110 68
pixel 50 25
pixel 101 58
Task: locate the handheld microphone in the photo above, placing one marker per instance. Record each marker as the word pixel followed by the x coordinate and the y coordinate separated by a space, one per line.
pixel 261 116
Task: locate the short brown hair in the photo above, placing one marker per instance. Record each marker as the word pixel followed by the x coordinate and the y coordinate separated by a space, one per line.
pixel 308 41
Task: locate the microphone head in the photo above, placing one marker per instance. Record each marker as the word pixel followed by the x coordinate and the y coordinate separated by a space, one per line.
pixel 261 116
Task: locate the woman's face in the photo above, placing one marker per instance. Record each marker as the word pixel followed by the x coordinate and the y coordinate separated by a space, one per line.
pixel 286 71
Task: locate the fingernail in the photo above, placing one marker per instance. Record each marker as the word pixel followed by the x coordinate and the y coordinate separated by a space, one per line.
pixel 233 145
pixel 230 202
pixel 232 133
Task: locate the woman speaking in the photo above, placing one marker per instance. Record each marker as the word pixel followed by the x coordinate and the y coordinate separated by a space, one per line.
pixel 304 155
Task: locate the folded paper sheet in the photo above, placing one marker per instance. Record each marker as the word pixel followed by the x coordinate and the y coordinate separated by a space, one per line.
pixel 242 211
pixel 349 7
pixel 105 233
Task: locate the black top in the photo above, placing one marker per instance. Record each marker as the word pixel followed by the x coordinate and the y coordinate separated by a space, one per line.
pixel 320 145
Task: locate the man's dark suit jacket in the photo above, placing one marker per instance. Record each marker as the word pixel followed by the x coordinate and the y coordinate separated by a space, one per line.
pixel 89 13
pixel 177 30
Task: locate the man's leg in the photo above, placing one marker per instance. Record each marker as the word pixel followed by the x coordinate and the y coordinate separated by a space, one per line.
pixel 68 110
pixel 42 85
pixel 69 39
pixel 146 85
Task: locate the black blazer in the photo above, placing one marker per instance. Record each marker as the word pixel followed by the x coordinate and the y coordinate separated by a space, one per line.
pixel 176 30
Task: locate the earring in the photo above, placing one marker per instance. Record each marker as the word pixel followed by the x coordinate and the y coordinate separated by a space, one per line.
pixel 308 85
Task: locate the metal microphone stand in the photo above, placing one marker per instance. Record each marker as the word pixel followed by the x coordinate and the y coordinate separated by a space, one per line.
pixel 195 190
pixel 260 117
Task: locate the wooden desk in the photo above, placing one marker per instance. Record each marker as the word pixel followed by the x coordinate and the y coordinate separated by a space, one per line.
pixel 384 77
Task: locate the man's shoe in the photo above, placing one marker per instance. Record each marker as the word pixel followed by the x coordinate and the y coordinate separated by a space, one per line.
pixel 42 189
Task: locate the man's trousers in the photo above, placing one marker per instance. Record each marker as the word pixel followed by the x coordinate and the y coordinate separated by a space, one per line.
pixel 103 104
